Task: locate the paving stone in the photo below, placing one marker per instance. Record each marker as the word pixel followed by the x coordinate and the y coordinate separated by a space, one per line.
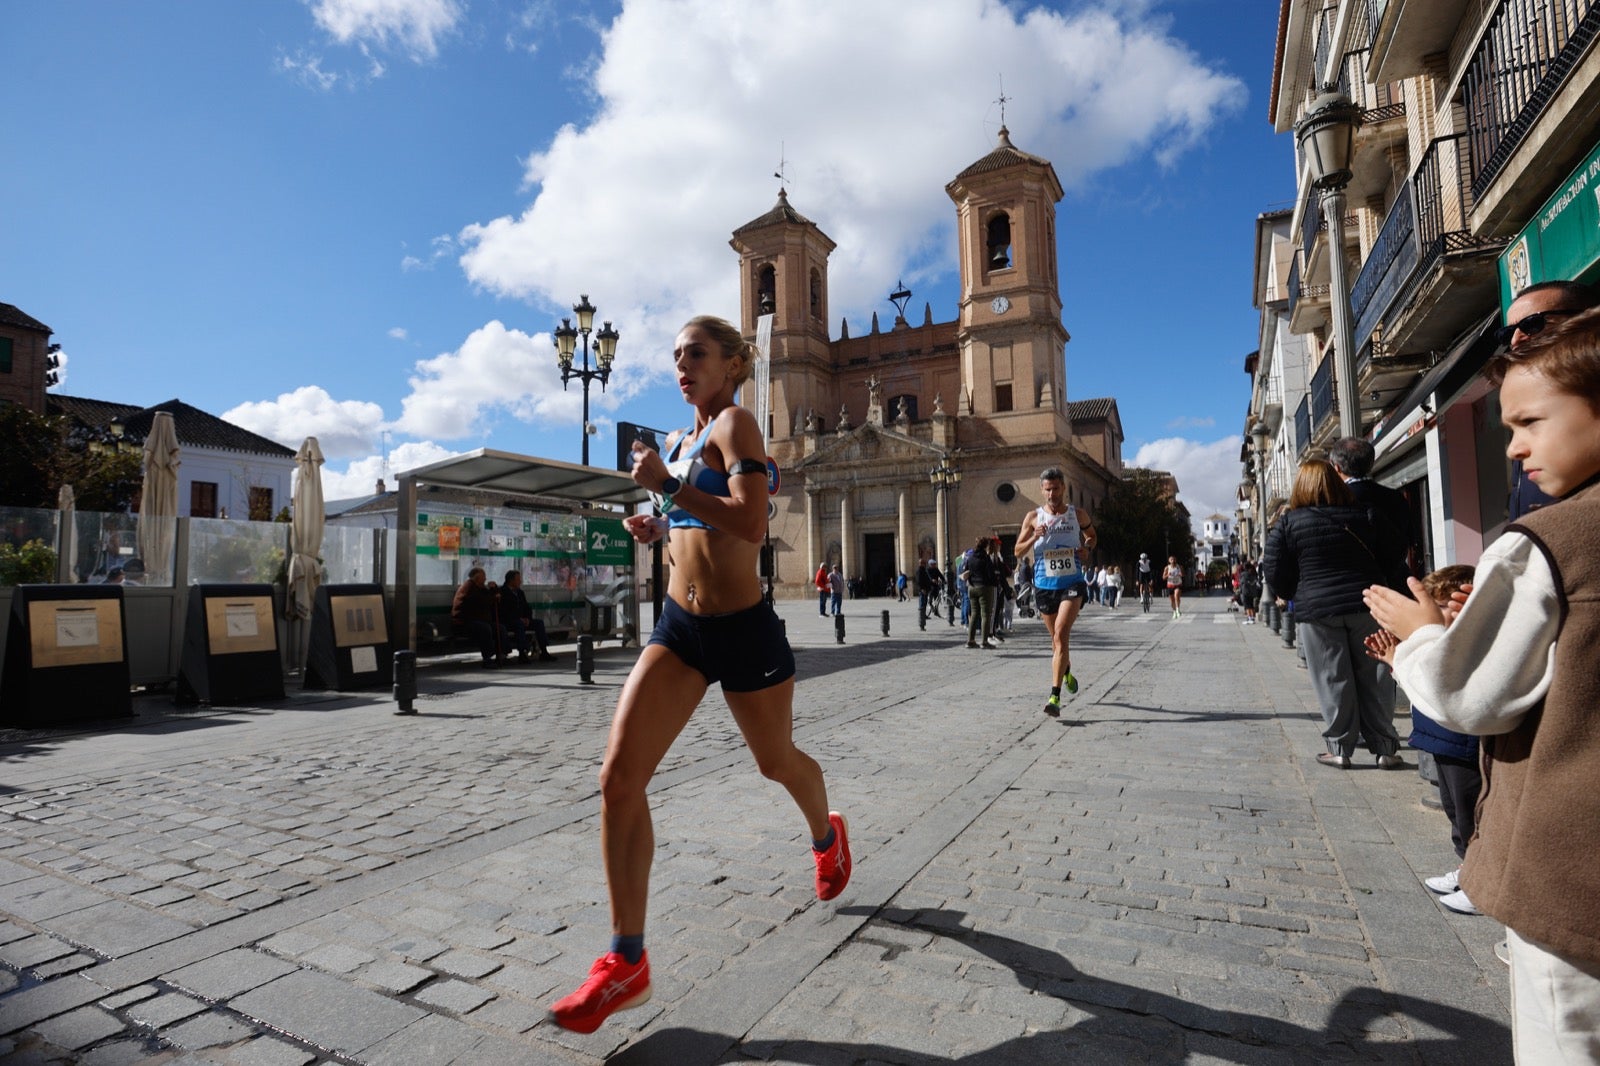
pixel 78 1029
pixel 326 1011
pixel 164 1009
pixel 229 973
pixel 457 996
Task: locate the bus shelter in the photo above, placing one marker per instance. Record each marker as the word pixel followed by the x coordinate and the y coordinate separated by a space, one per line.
pixel 490 471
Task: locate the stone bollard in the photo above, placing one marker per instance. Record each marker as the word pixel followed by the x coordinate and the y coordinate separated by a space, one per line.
pixel 405 681
pixel 586 660
pixel 838 628
pixel 1288 628
pixel 885 623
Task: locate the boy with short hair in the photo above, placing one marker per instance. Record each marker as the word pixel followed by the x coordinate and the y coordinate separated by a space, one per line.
pixel 1521 668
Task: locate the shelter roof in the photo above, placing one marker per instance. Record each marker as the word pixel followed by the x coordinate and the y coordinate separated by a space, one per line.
pixel 488 470
pixel 1086 410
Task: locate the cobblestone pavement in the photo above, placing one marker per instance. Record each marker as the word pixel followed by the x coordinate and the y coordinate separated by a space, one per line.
pixel 1162 875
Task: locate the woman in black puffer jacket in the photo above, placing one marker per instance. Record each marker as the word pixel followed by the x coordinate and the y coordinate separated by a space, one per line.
pixel 1321 554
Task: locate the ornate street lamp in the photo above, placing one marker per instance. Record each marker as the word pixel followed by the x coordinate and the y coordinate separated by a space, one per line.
pixel 566 342
pixel 944 478
pixel 1326 136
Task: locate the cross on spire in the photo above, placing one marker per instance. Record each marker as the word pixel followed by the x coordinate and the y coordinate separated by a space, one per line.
pixel 783 164
pixel 1001 100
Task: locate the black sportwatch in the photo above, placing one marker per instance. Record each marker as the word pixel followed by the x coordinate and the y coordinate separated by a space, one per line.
pixel 671 486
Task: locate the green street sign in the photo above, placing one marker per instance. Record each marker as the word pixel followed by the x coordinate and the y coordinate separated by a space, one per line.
pixel 607 543
pixel 1562 240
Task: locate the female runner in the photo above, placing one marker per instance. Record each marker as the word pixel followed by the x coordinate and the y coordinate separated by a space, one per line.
pixel 715 627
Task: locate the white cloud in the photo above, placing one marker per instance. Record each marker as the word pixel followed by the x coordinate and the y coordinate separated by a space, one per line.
pixel 440 248
pixel 495 371
pixel 1208 473
pixel 398 333
pixel 681 151
pixel 414 26
pixel 342 427
pixel 360 477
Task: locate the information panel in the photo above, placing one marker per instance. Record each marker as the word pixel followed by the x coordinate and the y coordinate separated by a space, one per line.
pixel 66 656
pixel 230 646
pixel 350 646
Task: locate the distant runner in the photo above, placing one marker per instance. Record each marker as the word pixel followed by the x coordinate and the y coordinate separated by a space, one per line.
pixel 1173 576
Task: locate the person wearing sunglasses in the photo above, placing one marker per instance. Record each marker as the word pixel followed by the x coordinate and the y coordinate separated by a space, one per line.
pixel 1536 308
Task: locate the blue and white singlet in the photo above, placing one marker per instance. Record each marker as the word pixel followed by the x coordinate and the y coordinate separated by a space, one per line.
pixel 1055 553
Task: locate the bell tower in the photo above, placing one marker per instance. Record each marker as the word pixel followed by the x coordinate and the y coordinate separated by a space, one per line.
pixel 1013 345
pixel 783 271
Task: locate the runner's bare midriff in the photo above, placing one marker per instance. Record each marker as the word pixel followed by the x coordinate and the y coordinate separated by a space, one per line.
pixel 712 572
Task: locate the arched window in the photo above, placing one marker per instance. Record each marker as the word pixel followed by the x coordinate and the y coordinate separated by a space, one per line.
pixel 766 290
pixel 895 402
pixel 816 293
pixel 998 246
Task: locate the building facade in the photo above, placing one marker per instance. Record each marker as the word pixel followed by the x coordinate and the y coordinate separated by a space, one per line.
pixel 1473 175
pixel 857 424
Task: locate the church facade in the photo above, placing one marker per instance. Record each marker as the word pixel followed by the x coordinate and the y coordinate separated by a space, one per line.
pixel 858 424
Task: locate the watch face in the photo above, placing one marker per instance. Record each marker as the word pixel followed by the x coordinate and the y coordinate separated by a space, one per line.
pixel 1000 305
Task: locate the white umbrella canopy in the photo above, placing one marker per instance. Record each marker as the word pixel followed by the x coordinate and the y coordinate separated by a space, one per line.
pixel 305 532
pixel 158 506
pixel 67 505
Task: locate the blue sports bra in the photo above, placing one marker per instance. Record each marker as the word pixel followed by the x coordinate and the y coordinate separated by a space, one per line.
pixel 691 471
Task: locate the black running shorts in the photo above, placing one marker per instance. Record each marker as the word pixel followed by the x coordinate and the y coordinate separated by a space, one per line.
pixel 746 650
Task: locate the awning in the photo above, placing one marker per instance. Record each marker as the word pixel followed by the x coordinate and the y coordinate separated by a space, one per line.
pixel 1468 355
pixel 493 471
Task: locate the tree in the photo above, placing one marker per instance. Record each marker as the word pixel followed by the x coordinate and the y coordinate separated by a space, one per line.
pixel 1136 516
pixel 39 454
pixel 29 444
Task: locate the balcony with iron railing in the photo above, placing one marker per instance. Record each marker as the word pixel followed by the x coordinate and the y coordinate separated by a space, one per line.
pixel 1308 304
pixel 1323 423
pixel 1524 58
pixel 1302 426
pixel 1427 274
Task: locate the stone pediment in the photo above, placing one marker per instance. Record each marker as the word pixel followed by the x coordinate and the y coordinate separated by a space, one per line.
pixel 868 445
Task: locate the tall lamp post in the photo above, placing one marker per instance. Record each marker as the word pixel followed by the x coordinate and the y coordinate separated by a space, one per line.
pixel 1326 136
pixel 566 341
pixel 946 477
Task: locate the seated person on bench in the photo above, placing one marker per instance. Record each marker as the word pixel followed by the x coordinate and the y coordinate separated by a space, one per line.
pixel 517 616
pixel 474 612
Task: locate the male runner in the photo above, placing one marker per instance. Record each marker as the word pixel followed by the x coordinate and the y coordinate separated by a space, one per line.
pixel 1058 534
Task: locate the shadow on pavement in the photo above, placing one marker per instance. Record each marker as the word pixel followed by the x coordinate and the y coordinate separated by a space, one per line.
pixel 1128 1023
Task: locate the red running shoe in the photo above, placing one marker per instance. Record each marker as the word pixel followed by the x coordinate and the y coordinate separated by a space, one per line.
pixel 613 985
pixel 833 865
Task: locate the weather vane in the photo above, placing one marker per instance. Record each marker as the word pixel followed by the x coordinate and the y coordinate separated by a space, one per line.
pixel 1002 99
pixel 783 178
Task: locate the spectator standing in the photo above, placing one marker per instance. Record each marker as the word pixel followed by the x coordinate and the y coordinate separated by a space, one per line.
pixel 900 586
pixel 1249 591
pixel 824 589
pixel 1323 552
pixel 1113 585
pixel 1520 667
pixel 1536 308
pixel 929 581
pixel 1353 458
pixel 836 589
pixel 978 571
pixel 1455 755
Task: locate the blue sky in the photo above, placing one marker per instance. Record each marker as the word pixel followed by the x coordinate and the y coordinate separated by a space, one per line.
pixel 360 219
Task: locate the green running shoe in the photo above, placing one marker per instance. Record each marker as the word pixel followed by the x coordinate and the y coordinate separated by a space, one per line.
pixel 1071 683
pixel 1052 707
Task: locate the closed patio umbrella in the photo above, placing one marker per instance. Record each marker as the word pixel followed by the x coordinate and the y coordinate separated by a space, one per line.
pixel 305 531
pixel 67 537
pixel 158 507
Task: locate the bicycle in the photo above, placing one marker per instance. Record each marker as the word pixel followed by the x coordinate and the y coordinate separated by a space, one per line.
pixel 1144 598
